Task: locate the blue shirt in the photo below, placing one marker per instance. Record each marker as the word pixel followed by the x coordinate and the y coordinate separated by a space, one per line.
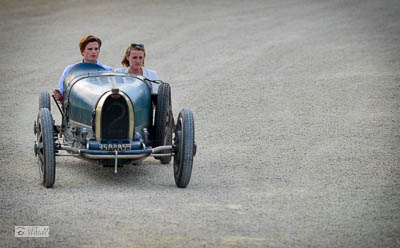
pixel 68 68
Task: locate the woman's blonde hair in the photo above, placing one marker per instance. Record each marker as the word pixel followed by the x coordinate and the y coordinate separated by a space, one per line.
pixel 133 46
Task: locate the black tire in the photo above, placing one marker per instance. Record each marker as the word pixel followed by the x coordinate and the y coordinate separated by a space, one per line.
pixel 184 143
pixel 163 120
pixel 44 100
pixel 45 150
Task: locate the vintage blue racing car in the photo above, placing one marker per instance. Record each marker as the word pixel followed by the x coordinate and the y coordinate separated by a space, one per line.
pixel 113 118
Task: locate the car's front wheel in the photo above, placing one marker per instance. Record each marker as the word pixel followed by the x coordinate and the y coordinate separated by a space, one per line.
pixel 44 100
pixel 184 148
pixel 45 148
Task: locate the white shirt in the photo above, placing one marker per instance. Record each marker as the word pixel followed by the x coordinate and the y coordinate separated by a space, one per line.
pixel 149 74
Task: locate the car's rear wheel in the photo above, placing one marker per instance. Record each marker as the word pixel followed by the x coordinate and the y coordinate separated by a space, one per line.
pixel 45 148
pixel 44 100
pixel 184 148
pixel 163 121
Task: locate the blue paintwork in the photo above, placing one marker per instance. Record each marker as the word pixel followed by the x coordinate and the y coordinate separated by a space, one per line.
pixel 87 82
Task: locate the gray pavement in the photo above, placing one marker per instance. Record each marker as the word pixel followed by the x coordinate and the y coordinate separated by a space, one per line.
pixel 297 115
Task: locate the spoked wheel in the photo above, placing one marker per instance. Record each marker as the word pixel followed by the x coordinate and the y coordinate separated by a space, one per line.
pixel 163 121
pixel 184 148
pixel 45 147
pixel 44 100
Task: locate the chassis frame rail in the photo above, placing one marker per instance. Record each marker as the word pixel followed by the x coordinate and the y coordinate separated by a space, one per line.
pixel 115 154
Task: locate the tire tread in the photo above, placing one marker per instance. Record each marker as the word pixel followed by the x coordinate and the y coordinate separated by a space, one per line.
pixel 182 178
pixel 44 100
pixel 48 147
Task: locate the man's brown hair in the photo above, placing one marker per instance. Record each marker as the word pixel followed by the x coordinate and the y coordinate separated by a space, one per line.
pixel 89 38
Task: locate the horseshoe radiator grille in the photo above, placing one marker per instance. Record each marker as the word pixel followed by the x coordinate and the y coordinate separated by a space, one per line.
pixel 115 118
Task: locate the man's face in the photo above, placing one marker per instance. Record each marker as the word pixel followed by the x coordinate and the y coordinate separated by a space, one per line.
pixel 91 52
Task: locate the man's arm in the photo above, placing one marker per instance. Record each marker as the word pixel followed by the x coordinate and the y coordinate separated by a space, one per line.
pixel 58 93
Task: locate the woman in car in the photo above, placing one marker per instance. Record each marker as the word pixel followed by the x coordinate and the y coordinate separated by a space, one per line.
pixel 133 60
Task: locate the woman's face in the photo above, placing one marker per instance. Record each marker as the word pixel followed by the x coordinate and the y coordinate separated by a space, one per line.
pixel 136 59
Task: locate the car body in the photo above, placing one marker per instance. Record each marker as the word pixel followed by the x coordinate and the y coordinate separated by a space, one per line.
pixel 113 118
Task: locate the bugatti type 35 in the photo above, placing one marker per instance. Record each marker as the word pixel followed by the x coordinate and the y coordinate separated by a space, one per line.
pixel 114 119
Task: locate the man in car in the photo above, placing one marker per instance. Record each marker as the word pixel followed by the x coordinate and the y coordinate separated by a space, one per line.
pixel 90 49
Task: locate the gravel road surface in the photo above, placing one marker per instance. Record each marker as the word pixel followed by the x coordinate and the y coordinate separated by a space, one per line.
pixel 297 116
